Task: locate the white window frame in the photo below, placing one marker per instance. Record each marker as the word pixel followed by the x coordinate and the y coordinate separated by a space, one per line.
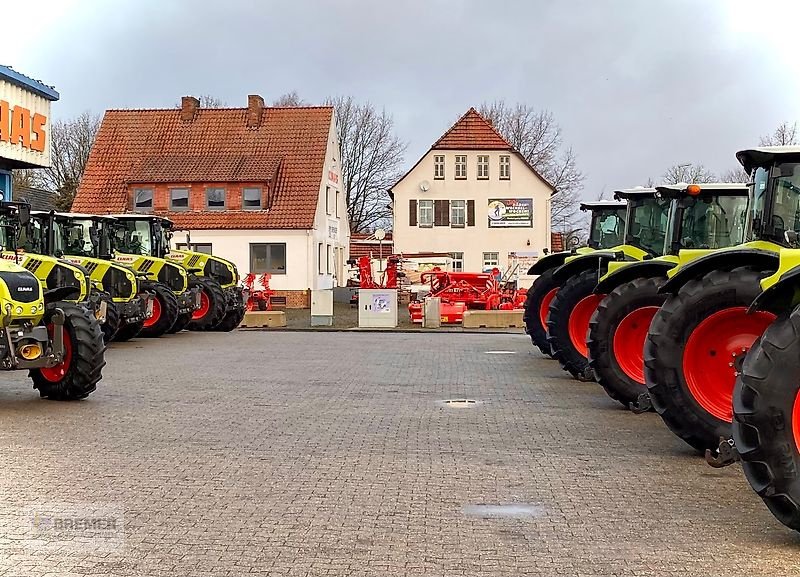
pixel 489 262
pixel 458 212
pixel 483 167
pixel 428 211
pixel 461 167
pixel 438 167
pixel 458 261
pixel 505 167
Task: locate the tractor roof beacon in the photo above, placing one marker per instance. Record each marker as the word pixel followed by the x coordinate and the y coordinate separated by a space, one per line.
pixel 766 400
pixel 217 279
pixel 607 224
pixel 690 379
pixel 707 217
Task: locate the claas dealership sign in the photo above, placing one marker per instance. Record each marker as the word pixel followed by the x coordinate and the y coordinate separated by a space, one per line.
pixel 24 126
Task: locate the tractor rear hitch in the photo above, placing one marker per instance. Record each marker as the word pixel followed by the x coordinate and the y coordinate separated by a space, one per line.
pixel 726 454
pixel 641 405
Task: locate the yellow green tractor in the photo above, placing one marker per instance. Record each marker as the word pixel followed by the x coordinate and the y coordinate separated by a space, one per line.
pixel 217 279
pixel 766 402
pixel 47 331
pixel 606 229
pixel 709 217
pixel 699 338
pixel 575 301
pixel 77 239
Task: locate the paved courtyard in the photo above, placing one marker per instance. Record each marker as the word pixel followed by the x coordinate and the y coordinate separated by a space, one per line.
pixel 332 454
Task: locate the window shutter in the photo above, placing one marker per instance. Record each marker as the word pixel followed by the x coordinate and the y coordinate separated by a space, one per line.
pixel 412 212
pixel 441 213
pixel 470 213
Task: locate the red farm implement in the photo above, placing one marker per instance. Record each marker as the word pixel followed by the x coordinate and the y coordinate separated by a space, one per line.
pixel 257 299
pixel 462 291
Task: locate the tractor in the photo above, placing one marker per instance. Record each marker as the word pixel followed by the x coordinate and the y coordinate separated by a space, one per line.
pixel 698 340
pixel 607 225
pixel 80 239
pixel 709 217
pixel 766 400
pixel 575 301
pixel 215 279
pixel 46 328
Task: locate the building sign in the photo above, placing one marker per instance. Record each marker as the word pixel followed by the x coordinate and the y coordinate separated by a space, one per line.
pixel 510 212
pixel 333 229
pixel 24 119
pixel 333 177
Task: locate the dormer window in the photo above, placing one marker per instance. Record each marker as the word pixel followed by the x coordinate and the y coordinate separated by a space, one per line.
pixel 143 200
pixel 251 199
pixel 179 199
pixel 215 198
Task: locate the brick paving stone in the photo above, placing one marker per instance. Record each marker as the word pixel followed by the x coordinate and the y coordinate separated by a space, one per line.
pixel 331 454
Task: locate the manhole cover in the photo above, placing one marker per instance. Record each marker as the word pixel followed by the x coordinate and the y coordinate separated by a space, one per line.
pixel 460 403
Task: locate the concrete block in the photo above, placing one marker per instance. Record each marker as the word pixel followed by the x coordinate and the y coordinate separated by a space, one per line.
pixel 269 319
pixel 493 319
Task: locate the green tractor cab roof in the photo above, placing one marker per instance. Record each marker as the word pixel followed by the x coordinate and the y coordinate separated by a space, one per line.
pixel 601 204
pixel 717 188
pixel 765 155
pixel 639 191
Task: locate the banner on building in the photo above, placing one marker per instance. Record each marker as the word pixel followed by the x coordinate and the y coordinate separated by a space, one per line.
pixel 510 212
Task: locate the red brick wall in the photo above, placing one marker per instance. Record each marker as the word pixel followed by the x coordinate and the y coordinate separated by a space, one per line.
pixel 197 194
pixel 298 299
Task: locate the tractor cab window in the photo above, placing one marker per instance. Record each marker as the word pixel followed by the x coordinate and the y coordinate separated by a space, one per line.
pixel 79 238
pixel 712 222
pixel 608 227
pixel 7 232
pixel 31 237
pixel 648 223
pixel 786 200
pixel 161 237
pixel 133 237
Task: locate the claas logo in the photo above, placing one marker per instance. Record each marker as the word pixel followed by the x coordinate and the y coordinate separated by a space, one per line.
pixel 19 126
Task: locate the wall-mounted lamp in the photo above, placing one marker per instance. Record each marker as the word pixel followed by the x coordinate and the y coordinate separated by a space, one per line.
pixel 528 242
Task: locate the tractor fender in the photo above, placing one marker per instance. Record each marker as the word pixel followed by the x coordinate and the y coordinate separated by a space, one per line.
pixel 758 259
pixel 781 290
pixel 621 273
pixel 548 262
pixel 577 265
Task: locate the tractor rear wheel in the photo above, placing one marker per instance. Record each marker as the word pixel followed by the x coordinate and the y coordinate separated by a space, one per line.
pixel 766 425
pixel 694 350
pixel 128 332
pixel 568 322
pixel 537 305
pixel 165 312
pixel 77 375
pixel 181 323
pixel 617 333
pixel 212 305
pixel 111 326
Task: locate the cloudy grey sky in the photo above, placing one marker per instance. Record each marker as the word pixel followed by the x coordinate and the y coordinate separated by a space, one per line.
pixel 637 85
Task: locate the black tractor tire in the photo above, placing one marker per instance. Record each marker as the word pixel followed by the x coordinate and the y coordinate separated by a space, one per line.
pixel 111 326
pixel 540 289
pixel 766 411
pixel 77 376
pixel 180 323
pixel 574 290
pixel 629 298
pixel 665 347
pixel 129 331
pixel 232 319
pixel 215 311
pixel 167 310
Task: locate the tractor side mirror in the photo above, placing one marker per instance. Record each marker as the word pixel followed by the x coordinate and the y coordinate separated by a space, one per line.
pixel 24 212
pixel 791 237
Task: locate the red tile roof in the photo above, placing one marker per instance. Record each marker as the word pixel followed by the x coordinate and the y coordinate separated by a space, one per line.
pixel 472 132
pixel 366 244
pixel 140 146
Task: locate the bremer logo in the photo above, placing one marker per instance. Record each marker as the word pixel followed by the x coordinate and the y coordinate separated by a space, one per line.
pixel 19 126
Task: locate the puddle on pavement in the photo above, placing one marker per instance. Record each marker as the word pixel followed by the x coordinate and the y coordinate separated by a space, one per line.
pixel 511 511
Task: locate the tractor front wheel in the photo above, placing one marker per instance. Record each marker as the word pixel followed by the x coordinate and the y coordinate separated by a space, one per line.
pixel 128 332
pixel 181 323
pixel 568 322
pixel 80 370
pixel 766 425
pixel 232 319
pixel 617 333
pixel 537 305
pixel 212 305
pixel 111 325
pixel 165 312
pixel 695 349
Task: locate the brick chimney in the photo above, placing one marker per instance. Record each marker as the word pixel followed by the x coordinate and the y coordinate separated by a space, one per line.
pixel 189 107
pixel 255 106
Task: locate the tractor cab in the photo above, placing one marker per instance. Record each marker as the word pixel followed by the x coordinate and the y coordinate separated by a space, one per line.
pixel 646 221
pixel 607 225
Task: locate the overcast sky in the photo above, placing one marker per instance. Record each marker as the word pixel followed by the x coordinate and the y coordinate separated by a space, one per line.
pixel 636 85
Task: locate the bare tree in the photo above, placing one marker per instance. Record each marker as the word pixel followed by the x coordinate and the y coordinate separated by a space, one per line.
pixel 537 137
pixel 208 101
pixel 289 99
pixel 785 134
pixel 688 173
pixel 372 157
pixel 734 175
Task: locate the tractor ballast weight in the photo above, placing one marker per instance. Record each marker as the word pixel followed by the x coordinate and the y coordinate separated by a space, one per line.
pixel 704 217
pixel 574 303
pixel 607 219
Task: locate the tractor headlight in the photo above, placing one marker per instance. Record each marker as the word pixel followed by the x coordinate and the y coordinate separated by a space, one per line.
pixel 34 308
pixel 19 310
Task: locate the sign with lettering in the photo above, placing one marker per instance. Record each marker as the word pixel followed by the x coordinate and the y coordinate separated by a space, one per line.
pixel 510 212
pixel 24 125
pixel 333 229
pixel 333 177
